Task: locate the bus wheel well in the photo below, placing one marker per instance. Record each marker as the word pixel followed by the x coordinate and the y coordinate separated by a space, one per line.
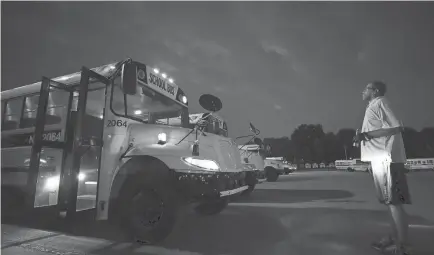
pixel 133 168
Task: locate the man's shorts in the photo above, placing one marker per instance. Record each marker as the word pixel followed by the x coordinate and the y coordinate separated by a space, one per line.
pixel 391 183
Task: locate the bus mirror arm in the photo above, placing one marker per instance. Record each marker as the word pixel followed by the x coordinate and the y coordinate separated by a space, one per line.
pixel 130 146
pixel 196 127
pixel 191 131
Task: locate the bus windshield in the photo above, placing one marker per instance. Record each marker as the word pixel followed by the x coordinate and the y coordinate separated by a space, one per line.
pixel 147 106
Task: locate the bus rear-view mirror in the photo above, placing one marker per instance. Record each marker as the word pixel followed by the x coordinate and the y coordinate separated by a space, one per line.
pixel 129 79
pixel 253 129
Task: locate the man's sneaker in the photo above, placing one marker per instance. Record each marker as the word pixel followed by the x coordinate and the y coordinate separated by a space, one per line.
pixel 383 243
pixel 396 250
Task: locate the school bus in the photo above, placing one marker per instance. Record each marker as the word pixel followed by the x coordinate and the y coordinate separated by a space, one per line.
pixel 101 141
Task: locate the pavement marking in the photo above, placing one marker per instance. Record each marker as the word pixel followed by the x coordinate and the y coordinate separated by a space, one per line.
pixel 417 226
pixel 313 204
pixel 28 241
pixel 164 251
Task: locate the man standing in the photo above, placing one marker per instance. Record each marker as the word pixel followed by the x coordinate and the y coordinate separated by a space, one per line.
pixel 382 144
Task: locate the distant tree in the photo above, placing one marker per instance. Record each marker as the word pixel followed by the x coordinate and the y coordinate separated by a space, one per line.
pixel 319 150
pixel 411 142
pixel 307 140
pixel 345 139
pixel 332 148
pixel 309 143
pixel 426 137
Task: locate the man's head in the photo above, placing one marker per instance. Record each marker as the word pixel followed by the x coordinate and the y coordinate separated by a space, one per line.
pixel 374 89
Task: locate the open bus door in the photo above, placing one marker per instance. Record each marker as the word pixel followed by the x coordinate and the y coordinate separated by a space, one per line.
pixel 57 189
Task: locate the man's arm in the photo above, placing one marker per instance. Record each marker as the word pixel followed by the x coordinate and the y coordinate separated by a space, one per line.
pixel 383 132
pixel 390 124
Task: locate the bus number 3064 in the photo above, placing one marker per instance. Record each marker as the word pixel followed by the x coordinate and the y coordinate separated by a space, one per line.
pixel 116 123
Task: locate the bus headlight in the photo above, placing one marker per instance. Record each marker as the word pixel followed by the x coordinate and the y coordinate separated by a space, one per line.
pixel 52 183
pixel 205 164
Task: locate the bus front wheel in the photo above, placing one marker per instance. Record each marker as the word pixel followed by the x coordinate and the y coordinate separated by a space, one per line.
pixel 251 181
pixel 148 207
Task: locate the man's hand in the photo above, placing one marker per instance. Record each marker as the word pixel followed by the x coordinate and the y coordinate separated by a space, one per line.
pixel 360 137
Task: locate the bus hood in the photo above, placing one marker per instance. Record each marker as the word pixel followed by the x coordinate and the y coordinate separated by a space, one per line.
pixel 145 140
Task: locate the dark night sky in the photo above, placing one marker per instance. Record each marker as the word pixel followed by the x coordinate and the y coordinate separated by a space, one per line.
pixel 276 64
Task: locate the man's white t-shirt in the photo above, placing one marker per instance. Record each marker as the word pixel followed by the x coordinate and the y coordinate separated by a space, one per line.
pixel 379 115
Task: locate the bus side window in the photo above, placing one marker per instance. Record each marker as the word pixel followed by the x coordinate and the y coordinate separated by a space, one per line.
pixel 12 114
pixel 57 103
pixel 29 112
pixel 57 106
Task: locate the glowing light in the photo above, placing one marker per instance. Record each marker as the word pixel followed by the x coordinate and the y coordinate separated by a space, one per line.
pixel 202 163
pixel 52 183
pixel 138 112
pixel 162 137
pixel 156 70
pixel 81 177
pixel 164 75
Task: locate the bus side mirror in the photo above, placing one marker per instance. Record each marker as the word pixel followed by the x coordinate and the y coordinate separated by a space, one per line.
pixel 129 79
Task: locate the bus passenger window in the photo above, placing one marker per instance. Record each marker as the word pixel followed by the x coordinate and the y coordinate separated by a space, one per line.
pixel 29 112
pixel 57 106
pixel 12 114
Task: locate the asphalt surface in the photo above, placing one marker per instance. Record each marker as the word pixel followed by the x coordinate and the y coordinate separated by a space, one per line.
pixel 305 213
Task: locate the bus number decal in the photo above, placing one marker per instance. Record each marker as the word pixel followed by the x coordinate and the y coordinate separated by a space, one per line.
pixel 48 136
pixel 116 123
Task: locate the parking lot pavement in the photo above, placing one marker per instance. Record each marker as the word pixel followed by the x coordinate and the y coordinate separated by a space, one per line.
pixel 302 213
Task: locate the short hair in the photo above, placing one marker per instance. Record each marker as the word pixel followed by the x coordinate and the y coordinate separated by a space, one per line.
pixel 380 86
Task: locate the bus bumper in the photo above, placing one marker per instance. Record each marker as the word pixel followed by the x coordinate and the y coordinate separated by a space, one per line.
pixel 203 186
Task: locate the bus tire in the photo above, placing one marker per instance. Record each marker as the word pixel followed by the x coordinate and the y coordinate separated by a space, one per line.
pixel 271 174
pixel 249 190
pixel 150 188
pixel 211 207
pixel 251 181
pixel 349 169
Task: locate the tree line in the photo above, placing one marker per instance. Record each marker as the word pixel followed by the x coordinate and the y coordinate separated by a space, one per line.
pixel 310 144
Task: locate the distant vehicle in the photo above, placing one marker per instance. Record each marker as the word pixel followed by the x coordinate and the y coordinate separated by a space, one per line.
pixel 307 165
pixel 315 165
pixel 292 167
pixel 352 165
pixel 322 165
pixel 420 164
pixel 253 156
pixel 274 167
